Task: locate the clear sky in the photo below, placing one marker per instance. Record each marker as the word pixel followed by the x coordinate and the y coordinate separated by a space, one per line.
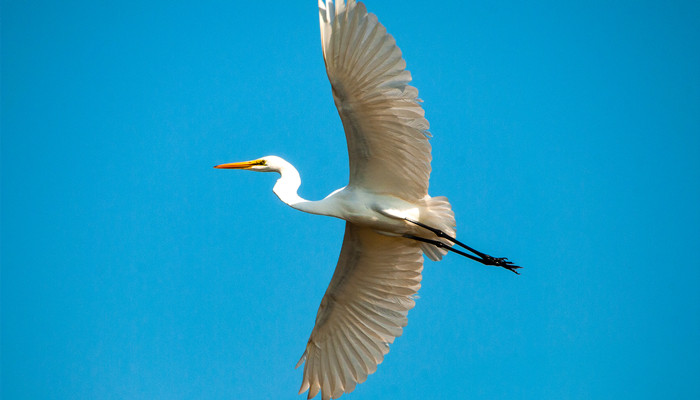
pixel 566 135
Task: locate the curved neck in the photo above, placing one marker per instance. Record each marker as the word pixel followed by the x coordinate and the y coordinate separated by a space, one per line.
pixel 286 189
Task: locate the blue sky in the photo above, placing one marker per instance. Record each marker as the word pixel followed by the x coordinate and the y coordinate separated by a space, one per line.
pixel 566 135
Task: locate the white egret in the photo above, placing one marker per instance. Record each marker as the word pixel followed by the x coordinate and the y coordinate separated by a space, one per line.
pixel 391 219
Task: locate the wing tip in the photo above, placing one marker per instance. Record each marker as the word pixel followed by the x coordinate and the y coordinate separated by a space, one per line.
pixel 304 386
pixel 301 360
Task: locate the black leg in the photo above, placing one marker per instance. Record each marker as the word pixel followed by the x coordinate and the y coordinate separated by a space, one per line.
pixel 482 258
pixel 442 245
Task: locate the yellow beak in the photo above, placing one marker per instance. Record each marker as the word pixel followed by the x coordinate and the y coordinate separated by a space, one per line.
pixel 240 165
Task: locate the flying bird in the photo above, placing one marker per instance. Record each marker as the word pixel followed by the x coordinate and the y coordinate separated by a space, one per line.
pixel 391 221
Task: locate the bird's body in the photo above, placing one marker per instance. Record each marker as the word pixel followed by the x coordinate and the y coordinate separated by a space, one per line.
pixel 391 220
pixel 385 214
pixel 367 209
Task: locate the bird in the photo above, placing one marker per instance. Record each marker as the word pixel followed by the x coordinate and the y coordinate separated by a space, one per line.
pixel 391 220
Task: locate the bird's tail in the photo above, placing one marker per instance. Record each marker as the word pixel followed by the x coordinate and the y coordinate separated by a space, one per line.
pixel 437 213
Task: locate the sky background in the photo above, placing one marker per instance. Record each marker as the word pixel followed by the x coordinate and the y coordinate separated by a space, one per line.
pixel 566 135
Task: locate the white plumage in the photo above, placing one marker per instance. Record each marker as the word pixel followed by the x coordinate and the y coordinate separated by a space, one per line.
pixel 391 219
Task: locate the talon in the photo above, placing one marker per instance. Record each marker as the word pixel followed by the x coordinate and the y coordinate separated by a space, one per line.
pixel 513 269
pixel 502 262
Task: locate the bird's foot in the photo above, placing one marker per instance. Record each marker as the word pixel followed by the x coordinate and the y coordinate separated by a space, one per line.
pixel 501 262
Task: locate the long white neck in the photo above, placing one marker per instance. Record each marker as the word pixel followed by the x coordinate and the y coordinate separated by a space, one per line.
pixel 286 189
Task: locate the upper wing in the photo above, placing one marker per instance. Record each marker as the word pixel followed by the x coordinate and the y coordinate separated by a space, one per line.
pixel 384 123
pixel 364 309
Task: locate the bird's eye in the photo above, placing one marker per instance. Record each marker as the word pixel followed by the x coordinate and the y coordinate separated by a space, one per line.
pixel 260 162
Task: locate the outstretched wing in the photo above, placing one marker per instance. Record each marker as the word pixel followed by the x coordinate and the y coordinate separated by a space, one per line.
pixel 384 123
pixel 363 311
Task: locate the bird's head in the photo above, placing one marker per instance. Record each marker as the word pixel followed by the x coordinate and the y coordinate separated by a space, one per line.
pixel 264 164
